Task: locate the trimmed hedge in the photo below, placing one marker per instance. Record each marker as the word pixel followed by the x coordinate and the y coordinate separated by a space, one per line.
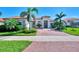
pixel 29 31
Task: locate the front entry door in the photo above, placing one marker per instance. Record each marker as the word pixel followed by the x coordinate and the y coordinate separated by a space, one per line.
pixel 45 24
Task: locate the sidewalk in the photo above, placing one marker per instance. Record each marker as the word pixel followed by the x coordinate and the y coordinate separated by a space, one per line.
pixel 41 38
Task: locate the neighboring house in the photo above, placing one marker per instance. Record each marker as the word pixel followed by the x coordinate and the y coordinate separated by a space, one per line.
pixel 73 22
pixel 22 21
pixel 1 21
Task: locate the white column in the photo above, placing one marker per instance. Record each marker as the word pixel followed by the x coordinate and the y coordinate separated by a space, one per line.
pixel 42 23
pixel 48 24
pixel 30 24
pixel 36 23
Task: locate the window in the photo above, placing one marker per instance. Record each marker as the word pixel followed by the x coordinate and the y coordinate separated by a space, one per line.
pixel 68 20
pixel 39 22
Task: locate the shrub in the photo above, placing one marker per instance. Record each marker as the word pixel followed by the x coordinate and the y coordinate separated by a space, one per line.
pixel 52 25
pixel 68 26
pixel 29 31
pixel 57 25
pixel 19 27
pixel 33 30
pixel 12 25
pixel 2 28
pixel 39 25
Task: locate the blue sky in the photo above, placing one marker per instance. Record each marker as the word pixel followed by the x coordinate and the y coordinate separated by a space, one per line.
pixel 43 11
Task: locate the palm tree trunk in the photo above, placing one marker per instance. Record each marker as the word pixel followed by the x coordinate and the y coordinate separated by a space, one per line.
pixel 60 25
pixel 27 24
pixel 29 20
pixel 28 27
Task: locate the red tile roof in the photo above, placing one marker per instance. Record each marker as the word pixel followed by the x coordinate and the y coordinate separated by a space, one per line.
pixel 45 17
pixel 2 19
pixel 71 19
pixel 16 17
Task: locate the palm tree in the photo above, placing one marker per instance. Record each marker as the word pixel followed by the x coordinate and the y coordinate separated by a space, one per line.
pixel 30 13
pixel 59 20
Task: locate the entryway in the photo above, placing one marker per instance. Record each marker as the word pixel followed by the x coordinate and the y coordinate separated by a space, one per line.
pixel 45 24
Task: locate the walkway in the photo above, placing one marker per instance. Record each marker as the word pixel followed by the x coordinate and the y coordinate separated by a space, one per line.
pixel 53 46
pixel 49 32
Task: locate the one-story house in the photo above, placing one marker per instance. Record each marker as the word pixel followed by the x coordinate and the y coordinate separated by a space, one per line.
pixel 41 22
pixel 44 21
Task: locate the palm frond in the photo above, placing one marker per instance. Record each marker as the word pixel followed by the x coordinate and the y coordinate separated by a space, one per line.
pixel 28 10
pixel 33 16
pixel 23 14
pixel 56 18
pixel 62 14
pixel 29 13
pixel 35 10
pixel 57 15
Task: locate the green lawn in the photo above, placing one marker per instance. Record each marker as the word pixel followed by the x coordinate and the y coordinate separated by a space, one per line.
pixel 17 33
pixel 13 46
pixel 72 31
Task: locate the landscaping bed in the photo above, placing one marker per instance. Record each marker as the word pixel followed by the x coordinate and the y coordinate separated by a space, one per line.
pixel 13 46
pixel 72 31
pixel 13 27
pixel 31 32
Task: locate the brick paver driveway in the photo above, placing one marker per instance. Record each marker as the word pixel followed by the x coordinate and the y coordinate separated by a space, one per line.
pixel 49 32
pixel 53 46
